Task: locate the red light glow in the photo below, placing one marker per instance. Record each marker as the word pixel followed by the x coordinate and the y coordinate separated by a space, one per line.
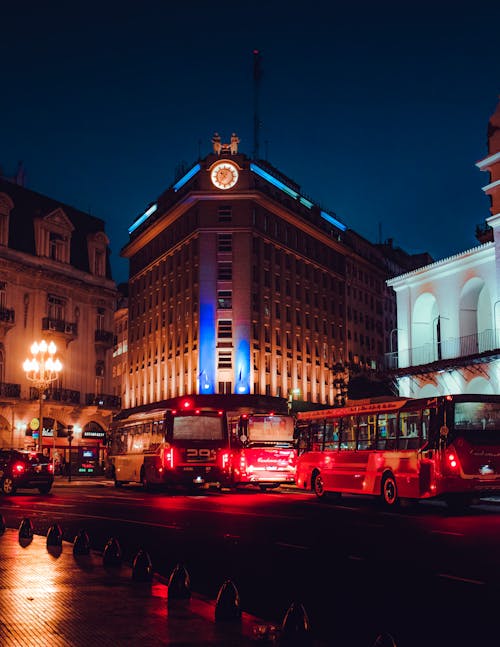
pixel 18 468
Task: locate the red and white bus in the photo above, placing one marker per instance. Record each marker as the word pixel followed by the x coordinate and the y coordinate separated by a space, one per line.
pixel 446 447
pixel 204 440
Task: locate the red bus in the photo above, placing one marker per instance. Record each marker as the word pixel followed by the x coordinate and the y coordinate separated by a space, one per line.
pixel 203 440
pixel 443 447
pixel 263 451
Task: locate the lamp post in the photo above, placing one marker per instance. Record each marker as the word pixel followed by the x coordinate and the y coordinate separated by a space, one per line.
pixel 42 369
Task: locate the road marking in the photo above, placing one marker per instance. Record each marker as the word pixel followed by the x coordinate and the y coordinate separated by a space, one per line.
pixel 113 519
pixel 459 579
pixel 297 546
pixel 356 558
pixel 447 532
pixel 57 505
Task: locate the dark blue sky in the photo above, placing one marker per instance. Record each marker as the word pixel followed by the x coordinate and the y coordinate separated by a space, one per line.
pixel 379 110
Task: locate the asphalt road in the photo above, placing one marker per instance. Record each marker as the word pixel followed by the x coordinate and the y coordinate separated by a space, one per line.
pixel 422 574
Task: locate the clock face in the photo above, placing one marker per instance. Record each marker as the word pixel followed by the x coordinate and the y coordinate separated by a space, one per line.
pixel 224 175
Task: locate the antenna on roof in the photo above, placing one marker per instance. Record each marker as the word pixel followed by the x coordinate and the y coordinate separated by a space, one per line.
pixel 257 75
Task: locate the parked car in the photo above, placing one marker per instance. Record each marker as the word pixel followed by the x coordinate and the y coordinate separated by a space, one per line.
pixel 25 469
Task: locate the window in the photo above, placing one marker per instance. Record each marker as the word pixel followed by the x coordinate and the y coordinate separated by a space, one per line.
pixel 56 247
pixel 367 426
pixel 224 299
pixel 225 213
pixel 224 329
pixel 348 433
pixel 225 272
pixel 224 242
pixel 224 359
pixel 56 307
pixel 409 430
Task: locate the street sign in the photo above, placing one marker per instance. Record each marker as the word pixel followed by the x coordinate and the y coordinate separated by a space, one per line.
pixel 34 424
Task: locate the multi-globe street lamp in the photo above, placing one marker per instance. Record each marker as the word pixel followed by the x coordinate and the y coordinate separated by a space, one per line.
pixel 42 369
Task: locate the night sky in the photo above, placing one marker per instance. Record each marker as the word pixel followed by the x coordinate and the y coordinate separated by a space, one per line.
pixel 379 110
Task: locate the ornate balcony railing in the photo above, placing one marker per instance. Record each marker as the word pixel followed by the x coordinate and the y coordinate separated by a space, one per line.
pixel 57 395
pixel 7 316
pixel 10 390
pixel 59 325
pixel 452 348
pixel 103 401
pixel 104 337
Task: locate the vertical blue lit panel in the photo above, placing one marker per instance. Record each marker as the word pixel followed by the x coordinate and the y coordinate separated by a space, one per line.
pixel 242 366
pixel 206 375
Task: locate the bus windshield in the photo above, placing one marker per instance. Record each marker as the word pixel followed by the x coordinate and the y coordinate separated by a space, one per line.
pixel 477 416
pixel 198 428
pixel 270 429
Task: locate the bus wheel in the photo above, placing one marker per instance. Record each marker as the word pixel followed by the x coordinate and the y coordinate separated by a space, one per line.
pixel 390 497
pixel 318 486
pixel 146 486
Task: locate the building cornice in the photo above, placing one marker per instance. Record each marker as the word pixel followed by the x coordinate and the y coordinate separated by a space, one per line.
pixel 488 161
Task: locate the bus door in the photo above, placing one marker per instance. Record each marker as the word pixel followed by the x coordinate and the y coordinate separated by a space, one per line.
pixel 346 469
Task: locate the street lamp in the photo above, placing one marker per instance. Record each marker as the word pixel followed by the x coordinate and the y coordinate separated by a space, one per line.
pixel 42 369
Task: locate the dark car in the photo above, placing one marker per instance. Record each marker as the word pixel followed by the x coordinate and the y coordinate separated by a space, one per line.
pixel 25 469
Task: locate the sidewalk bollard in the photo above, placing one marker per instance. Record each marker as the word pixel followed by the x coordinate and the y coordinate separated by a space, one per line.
pixel 81 544
pixel 179 584
pixel 384 640
pixel 54 535
pixel 112 555
pixel 142 568
pixel 295 629
pixel 25 529
pixel 227 606
pixel 2 524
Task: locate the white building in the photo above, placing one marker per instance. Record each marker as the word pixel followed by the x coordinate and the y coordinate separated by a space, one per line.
pixel 448 313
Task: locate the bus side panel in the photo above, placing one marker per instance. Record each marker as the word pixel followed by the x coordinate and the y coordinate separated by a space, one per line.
pixel 128 467
pixel 345 470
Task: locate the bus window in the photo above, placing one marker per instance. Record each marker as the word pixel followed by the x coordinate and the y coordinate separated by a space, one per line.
pixel 303 435
pixel 387 427
pixel 332 434
pixel 348 433
pixel 426 424
pixel 317 435
pixel 366 431
pixel 409 430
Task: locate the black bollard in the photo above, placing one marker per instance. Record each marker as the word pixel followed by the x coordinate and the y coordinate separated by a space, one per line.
pixel 2 524
pixel 179 584
pixel 384 640
pixel 26 529
pixel 295 629
pixel 54 535
pixel 81 544
pixel 142 568
pixel 112 555
pixel 227 605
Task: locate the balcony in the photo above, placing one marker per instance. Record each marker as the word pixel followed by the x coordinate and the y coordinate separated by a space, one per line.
pixel 10 390
pixel 104 338
pixel 455 351
pixel 60 326
pixel 7 317
pixel 103 401
pixel 65 396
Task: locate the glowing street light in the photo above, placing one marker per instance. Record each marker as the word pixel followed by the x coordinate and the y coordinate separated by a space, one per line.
pixel 42 369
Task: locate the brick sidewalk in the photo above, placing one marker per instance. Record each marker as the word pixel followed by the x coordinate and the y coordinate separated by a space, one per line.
pixel 49 597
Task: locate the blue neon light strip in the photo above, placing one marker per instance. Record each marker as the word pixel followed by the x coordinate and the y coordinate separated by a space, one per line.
pixel 277 183
pixel 144 217
pixel 272 180
pixel 178 185
pixel 333 221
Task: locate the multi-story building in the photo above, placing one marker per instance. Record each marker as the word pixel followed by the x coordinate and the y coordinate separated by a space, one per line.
pixel 448 326
pixel 55 285
pixel 119 363
pixel 239 283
